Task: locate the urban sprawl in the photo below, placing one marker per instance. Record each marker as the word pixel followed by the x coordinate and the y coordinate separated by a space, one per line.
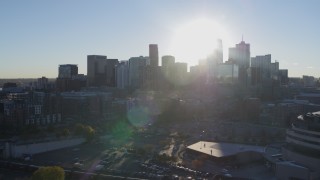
pixel 242 118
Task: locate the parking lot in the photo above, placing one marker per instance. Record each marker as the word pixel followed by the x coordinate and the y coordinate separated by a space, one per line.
pixel 138 155
pixel 114 158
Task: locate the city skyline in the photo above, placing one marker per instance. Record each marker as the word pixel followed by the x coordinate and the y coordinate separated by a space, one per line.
pixel 38 36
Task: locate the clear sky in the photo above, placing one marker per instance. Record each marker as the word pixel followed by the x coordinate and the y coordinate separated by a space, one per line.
pixel 38 35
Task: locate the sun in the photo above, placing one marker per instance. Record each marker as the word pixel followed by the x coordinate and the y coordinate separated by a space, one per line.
pixel 196 40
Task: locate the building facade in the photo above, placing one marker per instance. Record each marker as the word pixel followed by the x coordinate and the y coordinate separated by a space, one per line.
pixel 101 71
pixel 154 55
pixel 31 109
pixel 136 68
pixel 69 79
pixel 67 70
pixel 241 56
pixel 122 75
pixel 303 144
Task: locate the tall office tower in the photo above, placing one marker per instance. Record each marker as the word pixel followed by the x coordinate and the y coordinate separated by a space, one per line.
pixel 263 62
pixel 180 73
pixel 194 72
pixel 167 65
pixel 122 75
pixel 111 72
pixel 274 70
pixel 167 72
pixel 240 55
pixel 69 79
pixel 215 58
pixel 101 71
pixel 136 68
pixel 96 70
pixel 228 72
pixel 262 66
pixel 219 52
pixel 283 76
pixel 153 54
pixel 68 70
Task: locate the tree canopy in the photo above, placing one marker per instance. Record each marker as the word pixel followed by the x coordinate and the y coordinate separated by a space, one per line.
pixel 48 173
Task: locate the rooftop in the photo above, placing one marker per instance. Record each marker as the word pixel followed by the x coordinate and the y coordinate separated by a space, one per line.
pixel 223 149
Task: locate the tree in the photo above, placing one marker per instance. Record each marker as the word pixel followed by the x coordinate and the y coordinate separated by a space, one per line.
pixel 79 129
pixel 65 132
pixel 48 173
pixel 89 132
pixel 85 130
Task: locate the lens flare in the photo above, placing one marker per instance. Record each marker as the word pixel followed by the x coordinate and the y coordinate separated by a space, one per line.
pixel 138 116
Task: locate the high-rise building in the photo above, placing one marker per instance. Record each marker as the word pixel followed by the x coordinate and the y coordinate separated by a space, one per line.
pixel 274 70
pixel 219 52
pixel 241 56
pixel 101 71
pixel 153 54
pixel 122 75
pixel 261 61
pixel 308 81
pixel 168 61
pixel 262 64
pixel 167 65
pixel 151 73
pixel 180 73
pixel 96 70
pixel 166 72
pixel 215 58
pixel 136 68
pixel 228 72
pixel 69 79
pixel 283 76
pixel 44 84
pixel 68 70
pixel 152 77
pixel 111 72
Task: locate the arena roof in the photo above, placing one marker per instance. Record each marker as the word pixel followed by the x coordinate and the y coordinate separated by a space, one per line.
pixel 223 149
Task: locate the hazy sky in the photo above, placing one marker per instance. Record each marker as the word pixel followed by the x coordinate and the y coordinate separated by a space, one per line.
pixel 38 35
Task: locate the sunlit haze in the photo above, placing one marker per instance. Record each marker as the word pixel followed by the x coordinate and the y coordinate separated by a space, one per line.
pixel 197 39
pixel 37 36
pixel 167 89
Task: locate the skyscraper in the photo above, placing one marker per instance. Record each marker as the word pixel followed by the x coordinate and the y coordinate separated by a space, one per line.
pixel 68 70
pixel 168 61
pixel 122 75
pixel 167 65
pixel 153 54
pixel 219 52
pixel 240 55
pixel 263 66
pixel 69 79
pixel 136 68
pixel 166 72
pixel 111 72
pixel 215 58
pixel 180 73
pixel 101 71
pixel 96 69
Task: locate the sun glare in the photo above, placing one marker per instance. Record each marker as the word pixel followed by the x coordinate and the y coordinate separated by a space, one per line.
pixel 196 40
